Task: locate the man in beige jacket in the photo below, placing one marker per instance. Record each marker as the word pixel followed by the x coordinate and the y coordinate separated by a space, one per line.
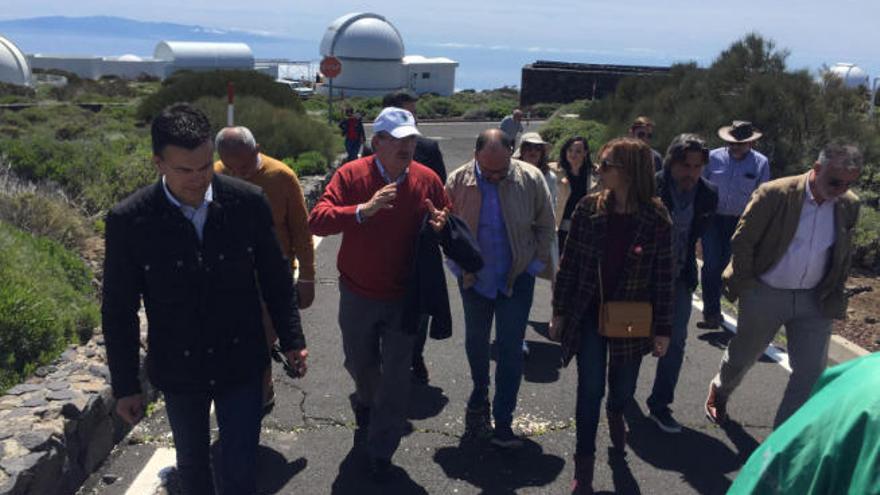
pixel 791 256
pixel 506 204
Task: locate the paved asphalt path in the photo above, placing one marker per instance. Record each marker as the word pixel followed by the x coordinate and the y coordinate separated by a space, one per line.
pixel 307 442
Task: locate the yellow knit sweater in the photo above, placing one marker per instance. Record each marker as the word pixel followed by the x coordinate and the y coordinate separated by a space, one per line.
pixel 289 213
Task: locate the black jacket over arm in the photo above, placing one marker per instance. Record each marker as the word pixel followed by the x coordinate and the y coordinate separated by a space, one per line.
pixel 426 291
pixel 705 203
pixel 202 300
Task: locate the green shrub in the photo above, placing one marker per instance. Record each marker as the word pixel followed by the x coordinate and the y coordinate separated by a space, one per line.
pixel 190 86
pixel 281 132
pixel 45 215
pixel 558 129
pixel 866 241
pixel 46 301
pixel 308 163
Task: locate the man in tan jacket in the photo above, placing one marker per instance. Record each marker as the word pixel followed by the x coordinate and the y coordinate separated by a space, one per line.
pixel 506 204
pixel 791 256
pixel 240 157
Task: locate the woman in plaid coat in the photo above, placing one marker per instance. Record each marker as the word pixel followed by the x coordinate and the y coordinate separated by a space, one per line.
pixel 632 238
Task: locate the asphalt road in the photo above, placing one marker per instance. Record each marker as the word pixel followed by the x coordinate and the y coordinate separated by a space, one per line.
pixel 307 441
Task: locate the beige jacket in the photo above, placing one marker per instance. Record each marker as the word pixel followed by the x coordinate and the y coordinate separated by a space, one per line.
pixel 563 188
pixel 525 205
pixel 766 230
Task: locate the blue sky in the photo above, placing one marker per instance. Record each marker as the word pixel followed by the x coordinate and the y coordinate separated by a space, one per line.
pixel 492 39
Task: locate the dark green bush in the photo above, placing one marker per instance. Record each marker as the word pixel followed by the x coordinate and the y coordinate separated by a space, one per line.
pixel 866 239
pixel 281 132
pixel 46 301
pixel 308 163
pixel 558 129
pixel 102 157
pixel 191 86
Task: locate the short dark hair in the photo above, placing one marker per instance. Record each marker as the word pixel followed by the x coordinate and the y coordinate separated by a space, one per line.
pixel 180 124
pixel 398 98
pixel 487 136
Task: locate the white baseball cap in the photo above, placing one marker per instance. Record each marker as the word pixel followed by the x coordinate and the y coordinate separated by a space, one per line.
pixel 398 122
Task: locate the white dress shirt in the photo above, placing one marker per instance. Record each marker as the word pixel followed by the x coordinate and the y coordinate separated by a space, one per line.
pixel 804 264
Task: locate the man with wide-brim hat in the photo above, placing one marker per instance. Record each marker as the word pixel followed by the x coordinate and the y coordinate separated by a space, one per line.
pixel 737 169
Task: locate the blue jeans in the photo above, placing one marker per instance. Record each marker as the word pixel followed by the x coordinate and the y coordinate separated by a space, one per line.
pixel 669 366
pixel 716 255
pixel 239 413
pixel 352 148
pixel 511 316
pixel 592 358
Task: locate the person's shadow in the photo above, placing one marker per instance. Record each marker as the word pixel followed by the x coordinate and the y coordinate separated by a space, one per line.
pixel 702 460
pixel 499 471
pixel 353 477
pixel 273 470
pixel 426 401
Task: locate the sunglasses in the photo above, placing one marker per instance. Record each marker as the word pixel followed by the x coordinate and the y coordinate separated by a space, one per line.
pixel 644 135
pixel 605 165
pixel 838 184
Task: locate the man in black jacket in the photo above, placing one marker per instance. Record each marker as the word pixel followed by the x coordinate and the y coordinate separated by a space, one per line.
pixel 691 201
pixel 192 245
pixel 428 154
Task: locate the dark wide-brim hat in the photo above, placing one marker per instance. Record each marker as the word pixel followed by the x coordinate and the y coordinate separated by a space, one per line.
pixel 740 131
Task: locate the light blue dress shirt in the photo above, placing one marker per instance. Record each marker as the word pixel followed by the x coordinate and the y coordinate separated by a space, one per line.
pixel 197 216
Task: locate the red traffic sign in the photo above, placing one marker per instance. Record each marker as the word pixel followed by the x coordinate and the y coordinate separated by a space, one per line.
pixel 331 66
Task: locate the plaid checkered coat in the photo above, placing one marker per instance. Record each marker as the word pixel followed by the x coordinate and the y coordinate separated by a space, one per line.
pixel 648 276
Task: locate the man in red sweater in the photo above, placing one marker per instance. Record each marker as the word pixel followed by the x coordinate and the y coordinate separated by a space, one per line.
pixel 378 203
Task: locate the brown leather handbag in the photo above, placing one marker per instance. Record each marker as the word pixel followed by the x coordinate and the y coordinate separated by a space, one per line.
pixel 623 319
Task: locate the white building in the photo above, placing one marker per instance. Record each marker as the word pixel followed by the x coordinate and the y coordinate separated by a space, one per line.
pixel 14 68
pixel 168 57
pixel 852 75
pixel 374 62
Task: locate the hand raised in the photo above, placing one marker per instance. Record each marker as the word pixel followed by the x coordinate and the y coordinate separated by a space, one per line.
pixel 438 217
pixel 381 200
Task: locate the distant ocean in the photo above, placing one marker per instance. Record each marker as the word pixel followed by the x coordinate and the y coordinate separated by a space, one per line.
pixel 479 67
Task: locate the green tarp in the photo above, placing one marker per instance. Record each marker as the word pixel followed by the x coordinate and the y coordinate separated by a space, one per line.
pixel 830 446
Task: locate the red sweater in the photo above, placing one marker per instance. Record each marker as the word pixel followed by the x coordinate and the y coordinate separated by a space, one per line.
pixel 375 259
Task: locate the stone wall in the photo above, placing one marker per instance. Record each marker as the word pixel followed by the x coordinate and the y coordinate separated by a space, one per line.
pixel 562 82
pixel 57 427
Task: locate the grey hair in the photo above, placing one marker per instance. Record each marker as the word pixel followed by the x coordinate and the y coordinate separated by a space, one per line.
pixel 238 137
pixel 841 155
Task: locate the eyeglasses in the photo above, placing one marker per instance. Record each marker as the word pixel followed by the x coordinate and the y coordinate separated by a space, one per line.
pixel 644 135
pixel 838 184
pixel 605 165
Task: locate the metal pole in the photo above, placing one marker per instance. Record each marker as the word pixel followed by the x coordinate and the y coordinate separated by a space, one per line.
pixel 330 103
pixel 873 104
pixel 230 104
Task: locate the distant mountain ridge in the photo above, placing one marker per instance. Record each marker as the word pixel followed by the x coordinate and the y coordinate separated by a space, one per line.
pixel 110 35
pixel 110 26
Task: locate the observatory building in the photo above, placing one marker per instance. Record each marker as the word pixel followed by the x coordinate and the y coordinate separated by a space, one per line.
pixel 168 57
pixel 852 75
pixel 14 67
pixel 374 61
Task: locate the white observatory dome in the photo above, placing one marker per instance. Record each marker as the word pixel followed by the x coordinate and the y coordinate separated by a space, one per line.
pixel 128 57
pixel 14 68
pixel 366 36
pixel 852 75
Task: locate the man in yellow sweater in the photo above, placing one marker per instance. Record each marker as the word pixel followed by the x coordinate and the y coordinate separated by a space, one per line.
pixel 240 157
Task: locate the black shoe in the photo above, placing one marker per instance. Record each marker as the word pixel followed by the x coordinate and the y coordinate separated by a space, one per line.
pixel 505 438
pixel 477 423
pixel 380 470
pixel 419 371
pixel 665 421
pixel 709 323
